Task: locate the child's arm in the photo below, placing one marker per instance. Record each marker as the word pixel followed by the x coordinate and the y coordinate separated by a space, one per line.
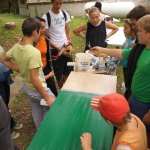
pixel 50 75
pixel 110 52
pixel 9 63
pixel 34 76
pixel 54 45
pixel 78 31
pixel 113 27
pixel 86 141
pixel 146 118
pixel 68 32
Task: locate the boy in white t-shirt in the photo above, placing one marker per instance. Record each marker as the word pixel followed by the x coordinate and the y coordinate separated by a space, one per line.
pixel 57 24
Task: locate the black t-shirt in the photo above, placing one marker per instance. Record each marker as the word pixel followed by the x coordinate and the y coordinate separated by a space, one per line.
pixel 96 35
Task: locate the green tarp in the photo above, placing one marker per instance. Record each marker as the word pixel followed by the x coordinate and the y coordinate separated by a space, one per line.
pixel 69 117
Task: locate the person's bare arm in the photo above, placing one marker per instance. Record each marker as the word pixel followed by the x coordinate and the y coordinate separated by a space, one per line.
pixel 54 45
pixel 146 118
pixel 49 75
pixel 68 32
pixel 9 63
pixel 110 52
pixel 86 141
pixel 79 31
pixel 114 28
pixel 34 77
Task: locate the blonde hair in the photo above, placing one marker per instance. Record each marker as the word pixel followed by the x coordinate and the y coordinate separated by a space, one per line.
pixel 144 22
pixel 93 9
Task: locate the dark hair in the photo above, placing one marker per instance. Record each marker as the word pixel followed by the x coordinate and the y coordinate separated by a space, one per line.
pixel 127 116
pixel 128 22
pixel 137 13
pixel 99 6
pixel 52 1
pixel 40 19
pixel 29 25
pixel 108 19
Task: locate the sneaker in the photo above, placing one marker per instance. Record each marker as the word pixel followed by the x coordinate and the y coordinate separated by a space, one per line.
pixel 15 135
pixel 18 126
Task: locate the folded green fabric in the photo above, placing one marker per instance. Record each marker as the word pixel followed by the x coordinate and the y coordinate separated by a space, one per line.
pixel 69 117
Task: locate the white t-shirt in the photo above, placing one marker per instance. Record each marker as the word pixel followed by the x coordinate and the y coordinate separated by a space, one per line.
pixel 57 27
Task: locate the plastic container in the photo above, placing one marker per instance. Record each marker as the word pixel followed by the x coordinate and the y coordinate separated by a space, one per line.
pixel 101 64
pixel 83 61
pixel 123 88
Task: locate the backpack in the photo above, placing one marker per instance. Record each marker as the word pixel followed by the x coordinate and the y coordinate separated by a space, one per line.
pixel 49 17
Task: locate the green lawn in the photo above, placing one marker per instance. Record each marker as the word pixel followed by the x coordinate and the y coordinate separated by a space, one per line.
pixel 7 37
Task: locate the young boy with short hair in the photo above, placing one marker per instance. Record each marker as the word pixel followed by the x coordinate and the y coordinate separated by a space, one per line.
pixel 131 132
pixel 28 60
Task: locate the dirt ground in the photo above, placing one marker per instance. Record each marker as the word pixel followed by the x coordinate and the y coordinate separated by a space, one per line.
pixel 21 111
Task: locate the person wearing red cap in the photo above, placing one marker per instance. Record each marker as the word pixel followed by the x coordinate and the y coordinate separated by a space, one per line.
pixel 131 132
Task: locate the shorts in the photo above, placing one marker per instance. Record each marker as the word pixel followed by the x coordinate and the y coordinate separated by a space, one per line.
pixel 139 108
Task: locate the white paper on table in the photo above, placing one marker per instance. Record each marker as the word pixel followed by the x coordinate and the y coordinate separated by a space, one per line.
pixel 117 39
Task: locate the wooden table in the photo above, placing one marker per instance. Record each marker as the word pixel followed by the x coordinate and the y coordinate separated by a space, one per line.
pixel 90 83
pixel 71 115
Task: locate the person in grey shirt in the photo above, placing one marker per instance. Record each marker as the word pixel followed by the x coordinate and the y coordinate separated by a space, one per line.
pixel 5 134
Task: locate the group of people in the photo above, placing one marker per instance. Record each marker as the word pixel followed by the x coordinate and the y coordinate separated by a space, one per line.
pixel 137 83
pixel 39 58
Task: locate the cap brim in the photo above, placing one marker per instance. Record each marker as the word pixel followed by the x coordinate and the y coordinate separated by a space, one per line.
pixel 95 102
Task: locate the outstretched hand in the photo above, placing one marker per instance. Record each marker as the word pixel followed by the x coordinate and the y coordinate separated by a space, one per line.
pixel 95 50
pixel 86 141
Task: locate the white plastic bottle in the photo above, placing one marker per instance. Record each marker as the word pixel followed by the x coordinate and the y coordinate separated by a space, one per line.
pixel 123 88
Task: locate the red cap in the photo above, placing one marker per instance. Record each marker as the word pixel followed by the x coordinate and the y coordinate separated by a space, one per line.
pixel 113 106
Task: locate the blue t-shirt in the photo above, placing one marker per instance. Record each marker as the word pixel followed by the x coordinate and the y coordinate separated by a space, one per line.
pixel 125 46
pixel 3 68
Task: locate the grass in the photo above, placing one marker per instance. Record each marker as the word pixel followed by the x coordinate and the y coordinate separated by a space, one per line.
pixel 7 38
pixel 20 107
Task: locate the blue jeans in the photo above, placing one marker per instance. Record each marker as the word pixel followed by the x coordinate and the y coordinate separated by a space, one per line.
pixel 139 108
pixel 5 94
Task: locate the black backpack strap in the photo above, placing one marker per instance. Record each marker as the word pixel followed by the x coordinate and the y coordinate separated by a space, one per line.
pixel 65 16
pixel 48 19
